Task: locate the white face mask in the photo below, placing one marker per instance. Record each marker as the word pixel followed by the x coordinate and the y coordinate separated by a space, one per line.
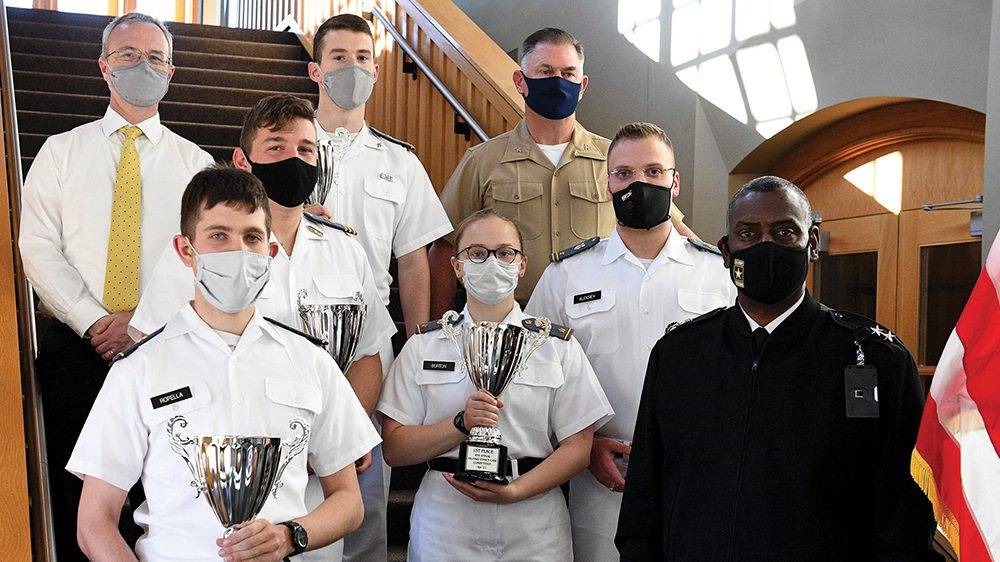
pixel 232 281
pixel 491 281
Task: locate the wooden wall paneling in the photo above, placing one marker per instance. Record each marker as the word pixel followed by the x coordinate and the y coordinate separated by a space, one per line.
pixel 941 170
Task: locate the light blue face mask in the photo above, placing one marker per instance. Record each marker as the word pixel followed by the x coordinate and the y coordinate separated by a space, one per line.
pixel 232 281
pixel 349 87
pixel 140 84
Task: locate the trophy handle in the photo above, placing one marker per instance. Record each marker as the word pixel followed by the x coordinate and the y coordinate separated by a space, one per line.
pixel 303 294
pixel 294 448
pixel 447 323
pixel 178 444
pixel 535 340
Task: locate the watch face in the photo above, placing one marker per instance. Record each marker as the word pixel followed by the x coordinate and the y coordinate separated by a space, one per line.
pixel 300 537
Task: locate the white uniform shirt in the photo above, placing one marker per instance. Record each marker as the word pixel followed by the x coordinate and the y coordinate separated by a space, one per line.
pixel 554 398
pixel 271 377
pixel 329 264
pixel 66 211
pixel 618 309
pixel 385 192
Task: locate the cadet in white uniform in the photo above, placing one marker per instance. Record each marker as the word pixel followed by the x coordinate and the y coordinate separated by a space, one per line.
pixel 555 401
pixel 619 295
pixel 226 373
pixel 381 187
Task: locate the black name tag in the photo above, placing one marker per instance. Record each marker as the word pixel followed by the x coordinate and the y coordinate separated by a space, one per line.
pixel 439 365
pixel 171 397
pixel 586 297
pixel 861 391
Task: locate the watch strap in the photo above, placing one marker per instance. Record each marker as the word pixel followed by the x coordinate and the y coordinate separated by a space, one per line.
pixel 295 529
pixel 459 422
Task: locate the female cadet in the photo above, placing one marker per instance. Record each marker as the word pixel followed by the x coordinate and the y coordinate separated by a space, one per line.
pixel 428 402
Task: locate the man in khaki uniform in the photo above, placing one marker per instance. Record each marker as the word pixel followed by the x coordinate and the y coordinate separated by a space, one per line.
pixel 548 174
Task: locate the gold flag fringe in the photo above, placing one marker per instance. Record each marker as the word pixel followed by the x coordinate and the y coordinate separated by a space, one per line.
pixel 924 477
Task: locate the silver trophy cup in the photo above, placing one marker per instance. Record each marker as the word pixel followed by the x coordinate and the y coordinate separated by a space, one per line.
pixel 236 473
pixel 329 154
pixel 338 325
pixel 492 354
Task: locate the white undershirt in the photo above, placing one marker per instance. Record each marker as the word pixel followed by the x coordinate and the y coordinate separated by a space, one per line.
pixel 774 323
pixel 230 339
pixel 554 151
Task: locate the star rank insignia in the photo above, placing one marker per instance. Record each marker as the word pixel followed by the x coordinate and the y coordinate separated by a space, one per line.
pixel 886 333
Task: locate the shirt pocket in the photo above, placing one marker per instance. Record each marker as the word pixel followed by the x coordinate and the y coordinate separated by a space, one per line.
pixel 590 213
pixel 597 318
pixel 444 391
pixel 288 399
pixel 696 303
pixel 531 393
pixel 521 202
pixel 335 289
pixel 384 197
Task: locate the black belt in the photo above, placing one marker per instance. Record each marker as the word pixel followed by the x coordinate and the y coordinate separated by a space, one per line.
pixel 445 464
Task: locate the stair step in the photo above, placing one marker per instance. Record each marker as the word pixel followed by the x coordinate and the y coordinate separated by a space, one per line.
pixel 196 30
pixel 94 107
pixel 31 143
pixel 92 35
pixel 51 123
pixel 185 93
pixel 182 59
pixel 63 66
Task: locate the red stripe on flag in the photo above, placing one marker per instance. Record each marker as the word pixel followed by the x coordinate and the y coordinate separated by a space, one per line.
pixel 979 330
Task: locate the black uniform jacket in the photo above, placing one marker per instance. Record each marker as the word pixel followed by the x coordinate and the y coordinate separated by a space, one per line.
pixel 732 462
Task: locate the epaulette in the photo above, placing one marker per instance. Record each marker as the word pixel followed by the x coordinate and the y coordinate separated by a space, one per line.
pixel 555 330
pixel 312 339
pixel 705 246
pixel 864 328
pixel 128 350
pixel 675 327
pixel 393 140
pixel 574 250
pixel 334 225
pixel 434 325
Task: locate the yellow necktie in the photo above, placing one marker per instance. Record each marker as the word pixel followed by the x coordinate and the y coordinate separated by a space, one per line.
pixel 121 278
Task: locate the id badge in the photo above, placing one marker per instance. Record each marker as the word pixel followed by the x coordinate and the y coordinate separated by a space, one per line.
pixel 861 391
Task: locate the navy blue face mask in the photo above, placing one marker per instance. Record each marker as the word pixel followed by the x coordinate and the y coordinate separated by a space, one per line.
pixel 553 98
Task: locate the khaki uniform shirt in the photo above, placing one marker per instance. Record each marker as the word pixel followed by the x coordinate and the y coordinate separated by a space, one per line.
pixel 555 206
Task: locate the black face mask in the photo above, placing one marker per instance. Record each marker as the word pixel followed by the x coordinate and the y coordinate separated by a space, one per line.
pixel 288 182
pixel 768 273
pixel 642 205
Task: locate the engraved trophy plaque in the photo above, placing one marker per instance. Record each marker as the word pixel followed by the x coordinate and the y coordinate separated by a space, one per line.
pixel 492 354
pixel 236 473
pixel 338 325
pixel 329 154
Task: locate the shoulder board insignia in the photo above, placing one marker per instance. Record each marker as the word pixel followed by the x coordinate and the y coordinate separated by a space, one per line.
pixel 130 349
pixel 312 339
pixel 334 225
pixel 704 246
pixel 393 140
pixel 864 328
pixel 674 327
pixel 574 250
pixel 555 330
pixel 434 325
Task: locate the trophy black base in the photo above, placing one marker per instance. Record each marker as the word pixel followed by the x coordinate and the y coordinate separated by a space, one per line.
pixel 483 462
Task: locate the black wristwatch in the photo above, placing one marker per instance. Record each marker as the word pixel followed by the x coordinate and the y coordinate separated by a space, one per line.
pixel 300 539
pixel 459 422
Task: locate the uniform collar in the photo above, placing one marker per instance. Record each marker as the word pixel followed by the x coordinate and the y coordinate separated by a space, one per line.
pixel 773 325
pixel 514 317
pixel 673 250
pixel 151 128
pixel 521 146
pixel 365 137
pixel 306 231
pixel 187 321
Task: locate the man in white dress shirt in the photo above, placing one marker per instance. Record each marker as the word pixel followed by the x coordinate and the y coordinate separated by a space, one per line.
pixel 619 294
pixel 381 186
pixel 218 367
pixel 99 203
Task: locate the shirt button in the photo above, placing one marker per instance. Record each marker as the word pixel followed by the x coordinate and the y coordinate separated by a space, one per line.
pixel 556 233
pixel 556 203
pixel 646 311
pixel 516 197
pixel 176 407
pixel 242 401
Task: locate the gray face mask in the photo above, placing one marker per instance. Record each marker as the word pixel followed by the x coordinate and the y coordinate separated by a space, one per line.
pixel 349 87
pixel 140 84
pixel 232 281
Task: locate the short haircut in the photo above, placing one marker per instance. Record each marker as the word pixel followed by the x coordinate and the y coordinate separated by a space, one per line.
pixel 552 36
pixel 136 17
pixel 768 184
pixel 273 112
pixel 637 131
pixel 488 212
pixel 349 22
pixel 222 184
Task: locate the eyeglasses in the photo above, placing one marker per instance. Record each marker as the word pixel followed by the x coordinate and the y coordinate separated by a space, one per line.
pixel 479 254
pixel 130 55
pixel 650 173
